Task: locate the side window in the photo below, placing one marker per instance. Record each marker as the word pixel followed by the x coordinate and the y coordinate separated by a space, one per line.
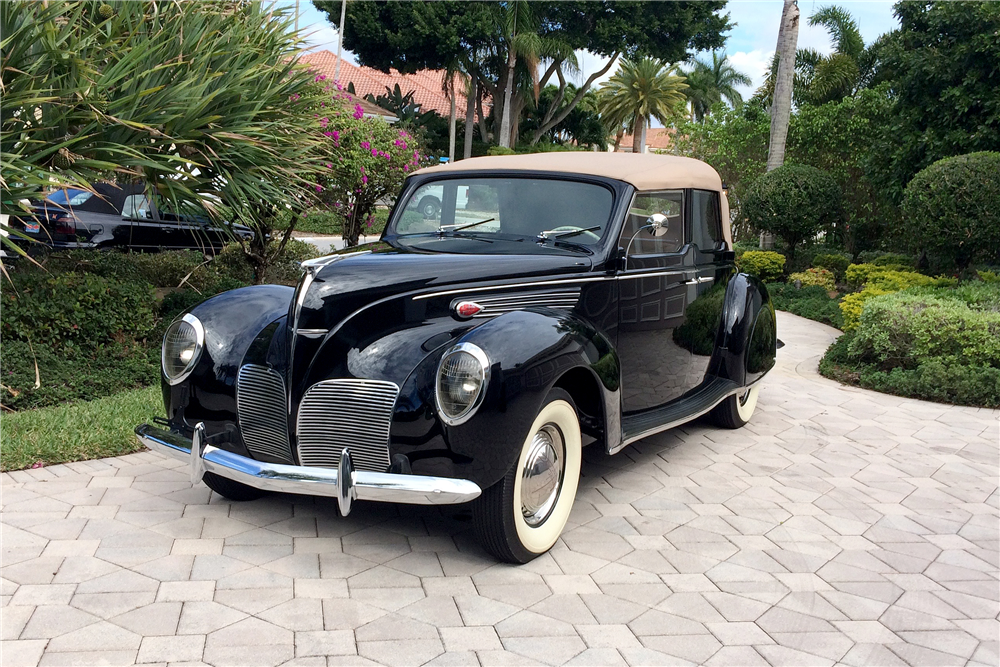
pixel 638 239
pixel 135 207
pixel 706 224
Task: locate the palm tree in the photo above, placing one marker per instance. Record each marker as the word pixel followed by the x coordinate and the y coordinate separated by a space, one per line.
pixel 709 84
pixel 638 91
pixel 781 109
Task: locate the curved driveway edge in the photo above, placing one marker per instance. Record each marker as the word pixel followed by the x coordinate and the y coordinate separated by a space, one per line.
pixel 840 525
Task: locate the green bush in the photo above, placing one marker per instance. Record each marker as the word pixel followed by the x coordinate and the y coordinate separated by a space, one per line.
pixel 952 209
pixel 76 310
pixel 905 329
pixel 231 263
pixel 764 264
pixel 819 277
pixel 934 379
pixel 80 373
pixel 811 302
pixel 500 150
pixel 836 263
pixel 894 259
pixel 795 202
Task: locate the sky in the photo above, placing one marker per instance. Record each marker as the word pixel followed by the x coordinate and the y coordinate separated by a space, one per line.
pixel 750 44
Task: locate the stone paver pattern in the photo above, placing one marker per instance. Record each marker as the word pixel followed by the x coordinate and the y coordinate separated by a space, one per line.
pixel 839 526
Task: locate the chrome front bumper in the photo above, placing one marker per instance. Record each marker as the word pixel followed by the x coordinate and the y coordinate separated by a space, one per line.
pixel 343 483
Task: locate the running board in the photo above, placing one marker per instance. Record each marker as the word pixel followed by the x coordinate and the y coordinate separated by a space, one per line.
pixel 704 398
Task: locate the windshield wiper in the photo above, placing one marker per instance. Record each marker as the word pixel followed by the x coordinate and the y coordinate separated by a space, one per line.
pixel 552 234
pixel 458 228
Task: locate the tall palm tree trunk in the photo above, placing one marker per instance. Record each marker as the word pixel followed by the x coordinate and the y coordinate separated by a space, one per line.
pixel 451 120
pixel 470 116
pixel 639 133
pixel 781 106
pixel 504 138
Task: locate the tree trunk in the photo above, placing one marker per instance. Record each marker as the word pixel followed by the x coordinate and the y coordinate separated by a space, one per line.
pixel 516 107
pixel 451 121
pixel 470 116
pixel 504 135
pixel 479 112
pixel 555 115
pixel 638 133
pixel 618 138
pixel 781 106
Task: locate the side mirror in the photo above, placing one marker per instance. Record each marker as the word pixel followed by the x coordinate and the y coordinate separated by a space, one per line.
pixel 658 223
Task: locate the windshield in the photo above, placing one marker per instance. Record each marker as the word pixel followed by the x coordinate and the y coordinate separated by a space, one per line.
pixel 69 197
pixel 513 208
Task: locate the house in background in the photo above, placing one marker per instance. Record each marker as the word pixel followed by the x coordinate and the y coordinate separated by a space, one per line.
pixel 426 84
pixel 658 140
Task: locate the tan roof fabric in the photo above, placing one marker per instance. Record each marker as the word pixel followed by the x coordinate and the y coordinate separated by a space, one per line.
pixel 646 171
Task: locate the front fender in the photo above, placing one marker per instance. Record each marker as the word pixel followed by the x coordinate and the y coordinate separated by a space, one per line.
pixel 233 321
pixel 529 352
pixel 746 342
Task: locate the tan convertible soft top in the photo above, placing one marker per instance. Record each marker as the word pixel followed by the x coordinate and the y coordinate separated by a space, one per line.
pixel 646 171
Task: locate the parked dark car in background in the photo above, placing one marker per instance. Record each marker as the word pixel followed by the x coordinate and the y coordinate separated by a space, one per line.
pixel 118 216
pixel 552 301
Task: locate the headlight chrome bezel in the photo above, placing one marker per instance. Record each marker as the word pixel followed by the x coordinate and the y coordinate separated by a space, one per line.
pixel 199 333
pixel 484 362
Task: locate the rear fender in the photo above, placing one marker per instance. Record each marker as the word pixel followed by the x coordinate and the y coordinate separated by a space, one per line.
pixel 746 341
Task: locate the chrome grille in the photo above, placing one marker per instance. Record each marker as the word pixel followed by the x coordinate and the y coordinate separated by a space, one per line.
pixel 261 402
pixel 498 305
pixel 351 413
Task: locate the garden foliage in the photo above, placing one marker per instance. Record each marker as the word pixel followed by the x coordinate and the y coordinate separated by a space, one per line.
pixel 819 277
pixel 795 202
pixel 763 264
pixel 811 301
pixel 952 210
pixel 836 263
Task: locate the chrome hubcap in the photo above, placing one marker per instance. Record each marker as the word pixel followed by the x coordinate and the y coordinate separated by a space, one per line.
pixel 745 397
pixel 542 475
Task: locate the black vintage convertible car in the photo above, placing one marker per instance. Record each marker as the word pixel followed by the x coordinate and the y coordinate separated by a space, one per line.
pixel 558 300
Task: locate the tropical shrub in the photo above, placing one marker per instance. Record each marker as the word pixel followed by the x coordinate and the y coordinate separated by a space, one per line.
pixel 763 264
pixel 819 277
pixel 836 263
pixel 876 281
pixel 952 209
pixel 500 150
pixel 795 202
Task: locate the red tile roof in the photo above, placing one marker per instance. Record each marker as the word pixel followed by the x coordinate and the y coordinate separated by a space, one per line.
pixel 426 84
pixel 657 139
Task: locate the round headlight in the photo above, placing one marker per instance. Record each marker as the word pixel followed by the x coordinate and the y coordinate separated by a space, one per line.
pixel 182 345
pixel 461 382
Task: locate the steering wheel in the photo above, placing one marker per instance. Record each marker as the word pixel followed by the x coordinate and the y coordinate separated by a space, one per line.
pixel 584 232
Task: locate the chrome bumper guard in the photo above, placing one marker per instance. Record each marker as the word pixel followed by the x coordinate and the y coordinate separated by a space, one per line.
pixel 343 483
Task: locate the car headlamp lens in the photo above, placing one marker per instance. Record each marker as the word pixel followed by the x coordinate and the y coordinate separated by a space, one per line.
pixel 461 380
pixel 182 346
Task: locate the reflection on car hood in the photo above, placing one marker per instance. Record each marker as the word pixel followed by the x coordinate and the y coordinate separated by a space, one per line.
pixel 350 283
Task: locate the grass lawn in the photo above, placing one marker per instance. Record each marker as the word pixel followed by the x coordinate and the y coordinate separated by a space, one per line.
pixel 326 222
pixel 77 431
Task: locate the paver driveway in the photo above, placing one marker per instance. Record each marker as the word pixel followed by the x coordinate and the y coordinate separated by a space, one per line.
pixel 840 525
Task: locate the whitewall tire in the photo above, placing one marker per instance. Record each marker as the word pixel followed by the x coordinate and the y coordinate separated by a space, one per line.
pixel 736 411
pixel 521 516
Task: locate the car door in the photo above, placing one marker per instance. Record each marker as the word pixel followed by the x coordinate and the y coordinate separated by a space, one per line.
pixel 654 286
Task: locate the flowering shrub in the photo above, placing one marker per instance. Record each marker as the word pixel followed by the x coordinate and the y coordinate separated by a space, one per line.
pixel 367 161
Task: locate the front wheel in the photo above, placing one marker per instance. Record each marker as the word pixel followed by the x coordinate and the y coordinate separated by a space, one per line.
pixel 736 411
pixel 521 516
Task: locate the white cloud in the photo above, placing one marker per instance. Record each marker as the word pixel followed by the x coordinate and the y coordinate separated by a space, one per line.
pixel 754 64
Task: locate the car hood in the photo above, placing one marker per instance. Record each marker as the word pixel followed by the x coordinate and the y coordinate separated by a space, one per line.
pixel 347 283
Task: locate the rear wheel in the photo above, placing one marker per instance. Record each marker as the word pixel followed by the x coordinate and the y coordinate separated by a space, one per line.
pixel 429 206
pixel 231 489
pixel 522 515
pixel 736 411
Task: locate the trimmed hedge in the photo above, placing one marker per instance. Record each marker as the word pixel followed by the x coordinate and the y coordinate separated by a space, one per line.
pixel 762 264
pixel 952 209
pixel 877 280
pixel 836 263
pixel 940 344
pixel 795 202
pixel 820 277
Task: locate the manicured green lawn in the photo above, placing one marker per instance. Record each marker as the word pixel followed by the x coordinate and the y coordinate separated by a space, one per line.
pixel 327 222
pixel 77 431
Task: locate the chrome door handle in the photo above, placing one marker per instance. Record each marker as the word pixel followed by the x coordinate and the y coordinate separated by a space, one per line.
pixel 697 281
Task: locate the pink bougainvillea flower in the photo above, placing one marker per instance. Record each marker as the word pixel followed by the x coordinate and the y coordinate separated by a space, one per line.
pixel 366 145
pixel 37 464
pixel 364 179
pixel 358 112
pixel 319 188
